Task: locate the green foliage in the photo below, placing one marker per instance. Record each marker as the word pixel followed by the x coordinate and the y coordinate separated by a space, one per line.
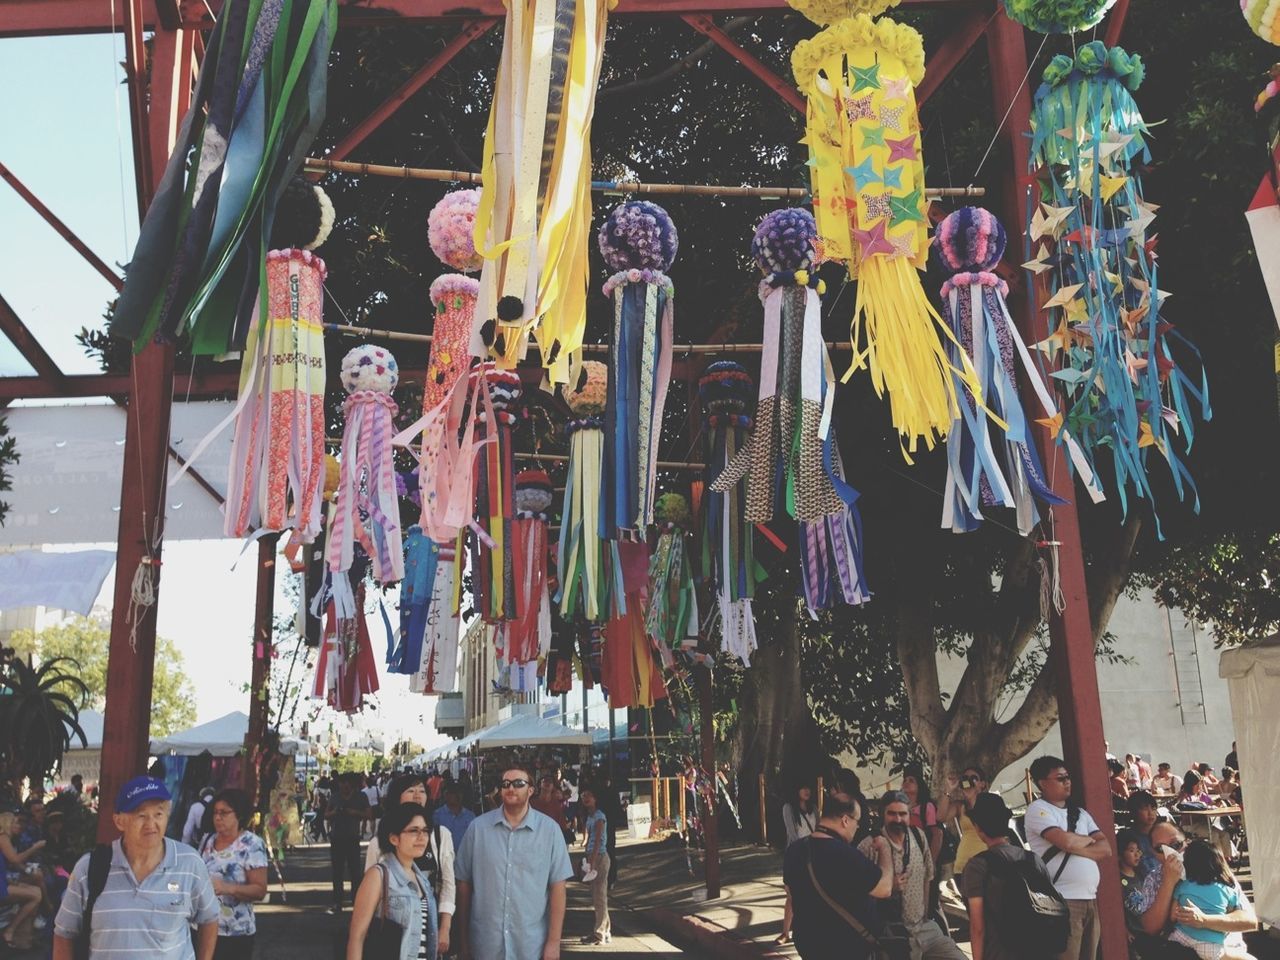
pixel 355 761
pixel 85 640
pixel 39 714
pixel 8 457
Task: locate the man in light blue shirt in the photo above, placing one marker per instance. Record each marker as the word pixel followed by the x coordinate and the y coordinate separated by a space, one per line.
pixel 453 815
pixel 155 889
pixel 511 872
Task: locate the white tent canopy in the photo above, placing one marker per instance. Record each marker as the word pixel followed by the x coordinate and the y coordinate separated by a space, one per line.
pixel 1252 673
pixel 91 724
pixel 524 730
pixel 223 737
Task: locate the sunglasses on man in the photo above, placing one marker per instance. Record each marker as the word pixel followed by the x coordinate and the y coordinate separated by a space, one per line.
pixel 519 783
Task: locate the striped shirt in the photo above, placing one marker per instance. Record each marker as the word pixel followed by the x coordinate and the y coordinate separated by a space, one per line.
pixel 149 919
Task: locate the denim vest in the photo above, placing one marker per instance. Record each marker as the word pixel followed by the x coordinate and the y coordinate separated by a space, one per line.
pixel 404 906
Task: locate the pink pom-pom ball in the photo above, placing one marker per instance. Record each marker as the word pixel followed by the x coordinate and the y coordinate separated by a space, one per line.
pixel 451 230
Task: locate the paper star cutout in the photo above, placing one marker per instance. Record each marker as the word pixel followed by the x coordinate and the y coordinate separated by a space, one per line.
pixel 864 173
pixel 874 137
pixel 1077 311
pixel 1111 185
pixel 877 205
pixel 896 88
pixel 903 246
pixel 1133 364
pixel 1040 264
pixel 859 108
pixel 1054 424
pixel 1145 437
pixel 1138 224
pixel 1064 296
pixel 1111 142
pixel 892 116
pixel 904 149
pixel 907 208
pixel 873 240
pixel 893 178
pixel 1048 221
pixel 866 78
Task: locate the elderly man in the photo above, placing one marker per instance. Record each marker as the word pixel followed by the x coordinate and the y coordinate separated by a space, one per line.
pixel 153 889
pixel 511 873
pixel 912 881
pixel 1154 902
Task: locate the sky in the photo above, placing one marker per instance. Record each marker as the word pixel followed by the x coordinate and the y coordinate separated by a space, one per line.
pixel 64 132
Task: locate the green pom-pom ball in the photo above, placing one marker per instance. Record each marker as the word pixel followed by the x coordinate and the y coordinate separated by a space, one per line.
pixel 1058 16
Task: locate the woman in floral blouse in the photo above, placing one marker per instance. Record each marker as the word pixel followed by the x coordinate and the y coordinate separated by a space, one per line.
pixel 237 862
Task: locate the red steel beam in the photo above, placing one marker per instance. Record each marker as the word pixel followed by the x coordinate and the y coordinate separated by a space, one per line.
pixel 135 71
pixel 1115 22
pixel 787 91
pixel 131 659
pixel 470 31
pixel 20 334
pixel 63 230
pixel 25 18
pixel 952 52
pixel 207 386
pixel 1070 632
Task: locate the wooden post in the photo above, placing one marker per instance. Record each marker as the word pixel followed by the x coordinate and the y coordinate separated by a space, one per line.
pixel 259 683
pixel 1028 787
pixel 682 806
pixel 1071 655
pixel 821 792
pixel 764 826
pixel 126 724
pixel 657 809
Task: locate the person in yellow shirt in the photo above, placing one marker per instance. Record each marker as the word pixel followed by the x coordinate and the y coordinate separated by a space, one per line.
pixel 954 808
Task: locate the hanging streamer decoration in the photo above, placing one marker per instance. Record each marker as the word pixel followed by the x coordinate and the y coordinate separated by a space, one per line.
pixel 859 76
pixel 792 455
pixel 982 471
pixel 628 667
pixel 366 510
pixel 346 671
pixel 581 558
pixel 275 480
pixel 491 555
pixel 639 243
pixel 671 619
pixel 529 634
pixel 1125 392
pixel 728 556
pixel 534 219
pixel 199 260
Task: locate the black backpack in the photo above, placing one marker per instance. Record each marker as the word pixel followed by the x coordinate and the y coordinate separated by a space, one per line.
pixel 99 868
pixel 1029 915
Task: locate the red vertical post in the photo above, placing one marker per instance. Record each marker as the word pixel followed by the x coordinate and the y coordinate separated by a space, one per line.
pixel 259 686
pixel 1071 631
pixel 131 659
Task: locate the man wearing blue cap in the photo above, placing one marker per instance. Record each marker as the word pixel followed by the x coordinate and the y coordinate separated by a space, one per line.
pixel 153 888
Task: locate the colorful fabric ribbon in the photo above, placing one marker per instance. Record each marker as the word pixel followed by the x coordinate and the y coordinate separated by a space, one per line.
pixel 1125 394
pixel 581 558
pixel 346 671
pixel 535 207
pixel 492 566
pixel 671 618
pixel 530 632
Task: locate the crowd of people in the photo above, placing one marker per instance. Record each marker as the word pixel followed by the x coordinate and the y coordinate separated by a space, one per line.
pixel 865 878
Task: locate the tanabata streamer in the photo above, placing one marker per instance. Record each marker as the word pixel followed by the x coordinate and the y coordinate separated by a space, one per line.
pixel 535 209
pixel 629 670
pixel 728 557
pixel 1125 393
pixel 366 509
pixel 529 634
pixel 983 470
pixel 792 454
pixel 1058 16
pixel 437 670
pixel 491 546
pixel 581 558
pixel 858 77
pixel 1263 17
pixel 639 243
pixel 257 105
pixel 275 480
pixel 346 671
pixel 671 619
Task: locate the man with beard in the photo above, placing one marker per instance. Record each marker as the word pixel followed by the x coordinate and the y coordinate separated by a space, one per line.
pixel 912 879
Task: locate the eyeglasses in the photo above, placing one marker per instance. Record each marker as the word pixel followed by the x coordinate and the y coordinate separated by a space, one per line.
pixel 1065 778
pixel 519 783
pixel 1176 844
pixel 224 813
pixel 414 831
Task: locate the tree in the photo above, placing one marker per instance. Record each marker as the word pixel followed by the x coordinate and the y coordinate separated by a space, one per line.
pixel 39 714
pixel 8 457
pixel 85 640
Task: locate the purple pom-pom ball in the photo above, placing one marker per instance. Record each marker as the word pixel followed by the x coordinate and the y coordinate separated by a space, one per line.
pixel 638 235
pixel 784 241
pixel 970 239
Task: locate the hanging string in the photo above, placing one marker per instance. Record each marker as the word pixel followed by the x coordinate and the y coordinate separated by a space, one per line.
pixel 1009 110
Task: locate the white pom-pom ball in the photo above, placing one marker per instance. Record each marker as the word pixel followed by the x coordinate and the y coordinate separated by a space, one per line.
pixel 369 367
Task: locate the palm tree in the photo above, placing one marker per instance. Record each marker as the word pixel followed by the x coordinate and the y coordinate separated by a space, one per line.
pixel 39 714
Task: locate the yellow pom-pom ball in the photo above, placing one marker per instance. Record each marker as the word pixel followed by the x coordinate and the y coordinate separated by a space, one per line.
pixel 802 277
pixel 332 474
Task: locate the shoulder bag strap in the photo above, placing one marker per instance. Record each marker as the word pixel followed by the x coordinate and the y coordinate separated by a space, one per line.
pixel 382 906
pixel 840 911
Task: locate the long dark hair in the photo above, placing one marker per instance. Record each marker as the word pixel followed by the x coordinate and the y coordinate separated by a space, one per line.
pixel 395 820
pixel 797 806
pixel 923 795
pixel 1190 782
pixel 1205 864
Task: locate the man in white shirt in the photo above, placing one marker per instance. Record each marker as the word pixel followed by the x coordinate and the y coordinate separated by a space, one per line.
pixel 1166 781
pixel 374 794
pixel 193 828
pixel 1069 842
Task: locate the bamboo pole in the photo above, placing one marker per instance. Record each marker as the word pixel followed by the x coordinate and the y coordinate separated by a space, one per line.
pixel 320 165
pixel 680 349
pixel 821 792
pixel 684 810
pixel 764 826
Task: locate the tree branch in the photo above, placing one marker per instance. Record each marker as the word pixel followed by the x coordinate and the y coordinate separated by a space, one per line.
pixel 1106 580
pixel 673 70
pixel 1030 723
pixel 918 656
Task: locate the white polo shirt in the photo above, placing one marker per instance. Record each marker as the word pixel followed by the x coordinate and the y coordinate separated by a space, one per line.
pixel 1079 880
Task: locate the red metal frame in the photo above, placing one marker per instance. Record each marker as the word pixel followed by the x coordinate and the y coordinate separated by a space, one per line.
pixel 787 91
pixel 22 337
pixel 952 52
